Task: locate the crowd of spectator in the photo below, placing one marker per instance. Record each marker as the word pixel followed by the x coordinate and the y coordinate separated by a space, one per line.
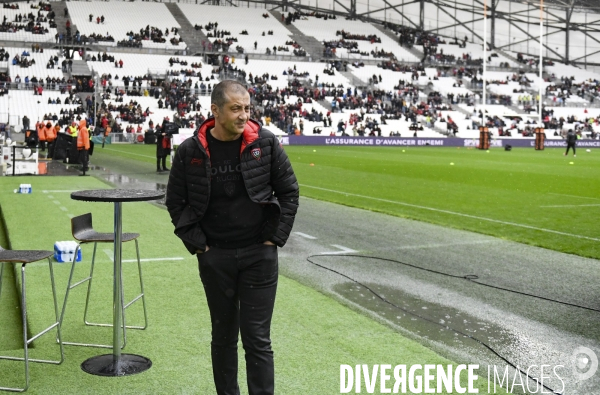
pixel 30 22
pixel 372 38
pixel 178 92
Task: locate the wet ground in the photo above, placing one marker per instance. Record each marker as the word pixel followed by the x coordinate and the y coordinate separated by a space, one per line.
pixel 470 297
pixel 425 287
pixel 115 172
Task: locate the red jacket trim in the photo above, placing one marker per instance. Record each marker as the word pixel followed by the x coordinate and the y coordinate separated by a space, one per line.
pixel 249 135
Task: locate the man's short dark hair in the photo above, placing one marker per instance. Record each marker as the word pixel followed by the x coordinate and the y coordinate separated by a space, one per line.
pixel 219 93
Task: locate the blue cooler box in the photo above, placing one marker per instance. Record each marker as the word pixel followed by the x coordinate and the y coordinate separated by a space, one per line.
pixel 64 251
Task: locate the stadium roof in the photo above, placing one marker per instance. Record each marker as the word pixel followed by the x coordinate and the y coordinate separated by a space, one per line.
pixel 564 3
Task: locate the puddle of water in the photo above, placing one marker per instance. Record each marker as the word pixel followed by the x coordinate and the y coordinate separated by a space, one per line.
pixel 120 181
pixel 427 320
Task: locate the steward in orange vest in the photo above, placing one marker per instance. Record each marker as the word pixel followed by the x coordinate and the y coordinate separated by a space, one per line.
pixel 83 144
pixel 83 137
pixel 41 131
pixel 50 132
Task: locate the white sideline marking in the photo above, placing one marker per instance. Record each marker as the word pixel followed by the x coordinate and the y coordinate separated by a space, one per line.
pixel 345 250
pixel 55 202
pixel 575 205
pixel 575 196
pixel 130 153
pixel 454 213
pixel 440 245
pixel 64 208
pixel 109 254
pixel 306 236
pixel 70 215
pixel 60 191
pixel 50 197
pixel 176 258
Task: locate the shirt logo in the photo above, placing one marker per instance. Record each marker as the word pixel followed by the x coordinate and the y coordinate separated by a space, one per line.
pixel 256 153
pixel 196 161
pixel 229 188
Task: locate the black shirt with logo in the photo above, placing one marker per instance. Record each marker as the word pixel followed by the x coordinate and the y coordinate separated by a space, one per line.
pixel 231 220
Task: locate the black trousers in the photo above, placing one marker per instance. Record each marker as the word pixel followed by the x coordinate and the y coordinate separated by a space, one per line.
pixel 50 150
pixel 162 159
pixel 84 158
pixel 240 286
pixel 570 146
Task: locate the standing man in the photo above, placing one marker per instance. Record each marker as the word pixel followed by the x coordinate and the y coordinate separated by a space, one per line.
pixel 41 130
pixel 25 120
pixel 73 131
pixel 233 196
pixel 50 132
pixel 571 141
pixel 163 147
pixel 83 145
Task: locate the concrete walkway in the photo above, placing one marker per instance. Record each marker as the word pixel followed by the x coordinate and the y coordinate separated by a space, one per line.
pixel 61 19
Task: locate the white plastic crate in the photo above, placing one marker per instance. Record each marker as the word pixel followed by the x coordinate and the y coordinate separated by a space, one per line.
pixel 23 188
pixel 65 250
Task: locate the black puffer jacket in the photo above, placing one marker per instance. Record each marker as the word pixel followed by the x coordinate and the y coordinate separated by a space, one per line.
pixel 267 174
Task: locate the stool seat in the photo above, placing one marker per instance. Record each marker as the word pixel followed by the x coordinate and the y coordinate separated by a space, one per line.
pixel 91 236
pixel 84 232
pixel 23 256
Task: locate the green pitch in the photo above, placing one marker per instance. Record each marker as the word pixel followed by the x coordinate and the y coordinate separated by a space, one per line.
pixel 536 197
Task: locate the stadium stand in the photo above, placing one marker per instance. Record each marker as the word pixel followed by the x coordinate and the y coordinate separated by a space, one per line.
pixel 366 40
pixel 383 81
pixel 127 24
pixel 27 22
pixel 239 29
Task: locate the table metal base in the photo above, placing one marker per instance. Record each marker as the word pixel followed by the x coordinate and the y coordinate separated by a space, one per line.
pixel 125 365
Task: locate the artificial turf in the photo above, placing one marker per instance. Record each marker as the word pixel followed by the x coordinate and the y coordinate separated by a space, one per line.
pixel 312 334
pixel 535 197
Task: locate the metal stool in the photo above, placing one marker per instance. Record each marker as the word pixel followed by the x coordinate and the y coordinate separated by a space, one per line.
pixel 24 257
pixel 83 232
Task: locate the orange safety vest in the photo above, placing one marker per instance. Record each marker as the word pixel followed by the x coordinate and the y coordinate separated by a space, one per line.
pixel 41 129
pixel 83 137
pixel 49 131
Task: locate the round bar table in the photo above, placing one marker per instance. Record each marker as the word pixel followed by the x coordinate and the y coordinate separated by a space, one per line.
pixel 117 364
